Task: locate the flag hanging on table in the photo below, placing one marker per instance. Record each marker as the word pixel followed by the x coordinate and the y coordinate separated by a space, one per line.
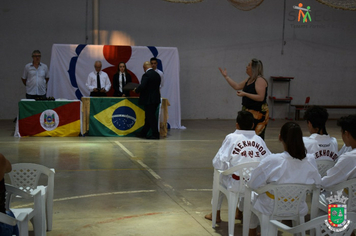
pixel 49 118
pixel 110 117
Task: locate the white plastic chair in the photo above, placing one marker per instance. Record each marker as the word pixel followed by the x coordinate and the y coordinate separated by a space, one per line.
pixel 23 215
pixel 349 189
pixel 287 200
pixel 324 166
pixel 26 176
pixel 317 225
pixel 244 171
pixel 4 218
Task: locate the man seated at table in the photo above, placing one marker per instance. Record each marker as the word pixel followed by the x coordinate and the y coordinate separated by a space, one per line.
pixel 98 81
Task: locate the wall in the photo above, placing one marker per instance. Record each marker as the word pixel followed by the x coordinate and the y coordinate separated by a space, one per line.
pixel 208 35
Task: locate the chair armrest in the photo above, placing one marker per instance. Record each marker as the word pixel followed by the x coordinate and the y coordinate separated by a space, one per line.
pixel 280 225
pixel 8 219
pixel 10 189
pixel 23 217
pixel 339 186
pixel 300 228
pixel 237 167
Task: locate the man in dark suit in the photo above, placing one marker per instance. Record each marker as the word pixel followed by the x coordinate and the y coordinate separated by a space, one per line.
pixel 150 97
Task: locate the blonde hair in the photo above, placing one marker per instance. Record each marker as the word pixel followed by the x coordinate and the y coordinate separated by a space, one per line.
pixel 257 68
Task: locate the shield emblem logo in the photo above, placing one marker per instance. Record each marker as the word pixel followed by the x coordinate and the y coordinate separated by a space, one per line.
pixel 337 215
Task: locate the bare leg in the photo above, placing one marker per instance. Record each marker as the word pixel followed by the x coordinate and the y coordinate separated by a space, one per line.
pixel 252 232
pixel 238 215
pixel 210 216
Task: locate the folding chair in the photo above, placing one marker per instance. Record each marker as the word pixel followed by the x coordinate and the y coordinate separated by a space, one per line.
pixel 26 176
pixel 304 108
pixel 287 200
pixel 317 225
pixel 244 170
pixel 324 166
pixel 349 189
pixel 23 215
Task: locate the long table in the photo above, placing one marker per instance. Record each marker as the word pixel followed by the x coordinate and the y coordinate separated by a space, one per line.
pixel 299 107
pixel 107 109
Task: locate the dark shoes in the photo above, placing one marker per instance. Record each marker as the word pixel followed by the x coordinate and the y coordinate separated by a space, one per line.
pixel 144 136
pixel 140 135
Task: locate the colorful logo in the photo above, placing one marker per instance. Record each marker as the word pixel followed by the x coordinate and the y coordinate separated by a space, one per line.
pixel 337 213
pixel 124 118
pixel 301 15
pixel 49 120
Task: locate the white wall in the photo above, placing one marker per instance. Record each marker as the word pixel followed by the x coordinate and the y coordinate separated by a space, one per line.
pixel 210 34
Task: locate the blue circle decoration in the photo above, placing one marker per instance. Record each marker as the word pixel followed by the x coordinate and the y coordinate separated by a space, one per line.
pixel 124 118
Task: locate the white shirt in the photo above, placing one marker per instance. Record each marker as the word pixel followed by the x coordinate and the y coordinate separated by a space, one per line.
pixel 35 79
pixel 323 147
pixel 282 168
pixel 344 149
pixel 162 77
pixel 344 169
pixel 104 81
pixel 239 147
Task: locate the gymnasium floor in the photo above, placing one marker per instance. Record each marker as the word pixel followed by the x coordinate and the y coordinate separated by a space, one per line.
pixel 129 186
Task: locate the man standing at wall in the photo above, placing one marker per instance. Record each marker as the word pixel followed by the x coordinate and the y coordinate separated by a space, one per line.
pixel 35 77
pixel 150 97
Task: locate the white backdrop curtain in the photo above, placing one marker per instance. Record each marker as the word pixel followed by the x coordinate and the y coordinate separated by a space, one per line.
pixel 71 64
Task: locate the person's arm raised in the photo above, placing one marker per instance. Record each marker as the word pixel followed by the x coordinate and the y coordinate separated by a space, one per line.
pixel 233 84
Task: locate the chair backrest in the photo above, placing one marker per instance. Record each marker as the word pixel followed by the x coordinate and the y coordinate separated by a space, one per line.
pixel 12 191
pixel 306 104
pixel 26 176
pixel 287 197
pixel 244 170
pixel 349 188
pixel 324 166
pixel 319 225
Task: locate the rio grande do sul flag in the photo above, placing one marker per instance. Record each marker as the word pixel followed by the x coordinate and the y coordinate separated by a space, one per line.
pixel 49 118
pixel 115 117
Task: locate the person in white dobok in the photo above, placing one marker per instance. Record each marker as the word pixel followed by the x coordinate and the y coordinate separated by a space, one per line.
pixel 293 165
pixel 344 149
pixel 345 167
pixel 244 145
pixel 319 143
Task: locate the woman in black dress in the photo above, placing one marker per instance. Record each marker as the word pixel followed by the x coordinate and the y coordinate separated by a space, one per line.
pixel 253 91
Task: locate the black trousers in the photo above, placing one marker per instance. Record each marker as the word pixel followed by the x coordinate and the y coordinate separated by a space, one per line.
pixel 30 96
pixel 97 94
pixel 151 121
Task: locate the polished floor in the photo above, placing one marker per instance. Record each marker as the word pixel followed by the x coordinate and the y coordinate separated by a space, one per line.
pixel 128 186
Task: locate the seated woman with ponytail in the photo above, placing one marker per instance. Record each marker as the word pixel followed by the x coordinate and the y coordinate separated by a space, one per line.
pixel 291 166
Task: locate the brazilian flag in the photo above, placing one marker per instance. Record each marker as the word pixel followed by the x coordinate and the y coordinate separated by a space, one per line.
pixel 115 116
